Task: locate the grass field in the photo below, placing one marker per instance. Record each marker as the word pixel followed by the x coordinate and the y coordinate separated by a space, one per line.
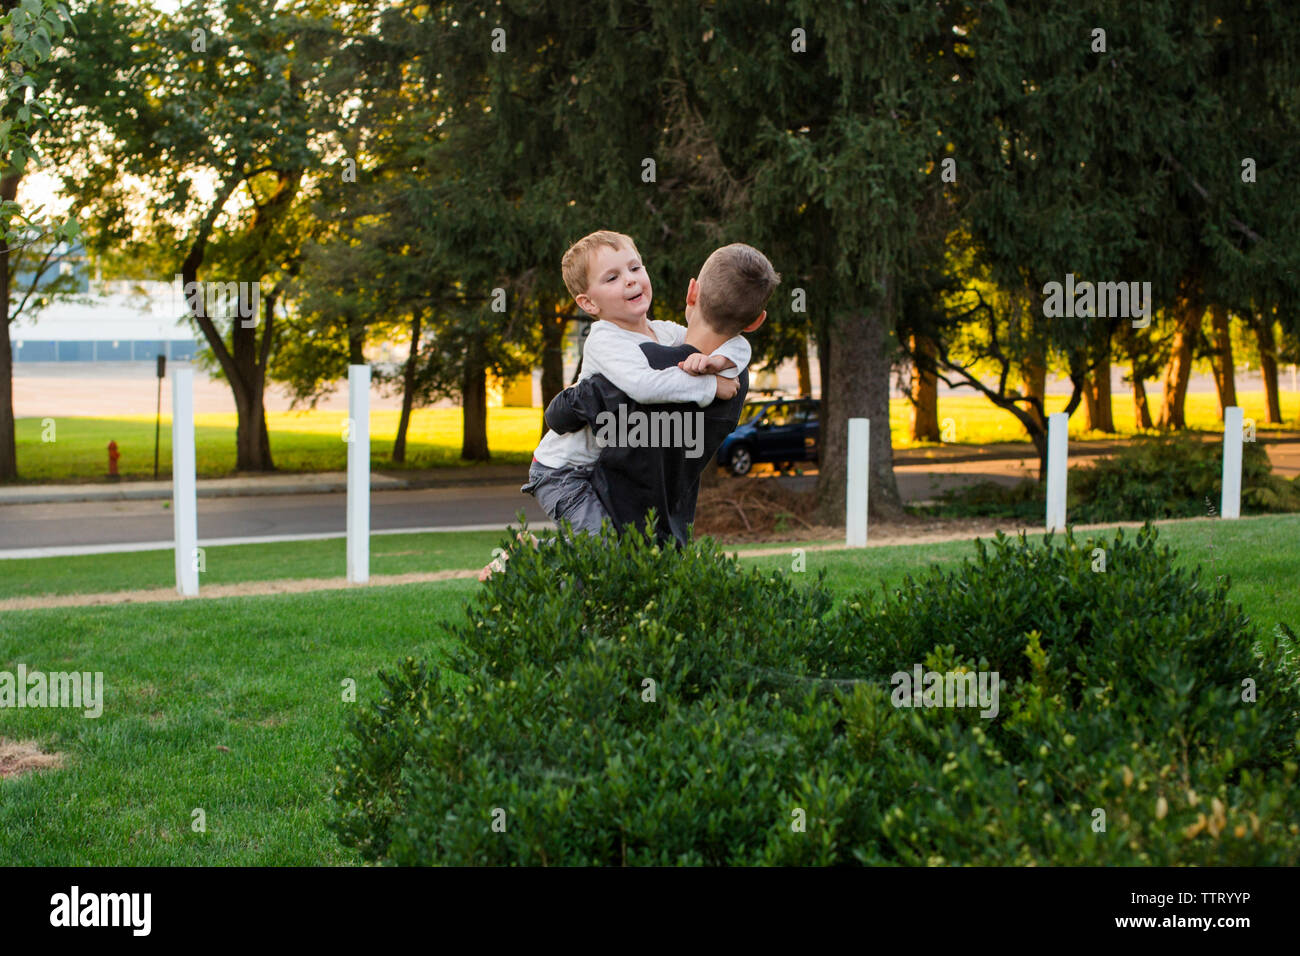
pixel 976 421
pixel 300 441
pixel 312 440
pixel 230 564
pixel 234 706
pixel 260 678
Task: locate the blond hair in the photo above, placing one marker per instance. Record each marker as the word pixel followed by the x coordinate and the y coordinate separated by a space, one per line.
pixel 575 262
pixel 735 283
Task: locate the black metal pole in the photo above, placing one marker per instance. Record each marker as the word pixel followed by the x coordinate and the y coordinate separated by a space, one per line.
pixel 157 420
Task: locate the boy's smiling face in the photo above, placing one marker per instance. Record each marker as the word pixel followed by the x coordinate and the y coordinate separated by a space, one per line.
pixel 618 287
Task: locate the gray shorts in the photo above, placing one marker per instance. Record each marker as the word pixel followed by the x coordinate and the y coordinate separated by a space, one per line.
pixel 566 493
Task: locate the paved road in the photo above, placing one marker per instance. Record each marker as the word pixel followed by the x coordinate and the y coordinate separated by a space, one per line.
pixel 111 522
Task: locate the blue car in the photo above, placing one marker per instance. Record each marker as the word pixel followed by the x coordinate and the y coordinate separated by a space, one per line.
pixel 780 430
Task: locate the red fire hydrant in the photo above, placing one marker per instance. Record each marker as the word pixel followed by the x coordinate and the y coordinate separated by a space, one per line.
pixel 113 456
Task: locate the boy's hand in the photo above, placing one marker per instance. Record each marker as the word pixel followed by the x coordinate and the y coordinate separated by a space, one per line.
pixel 727 388
pixel 701 364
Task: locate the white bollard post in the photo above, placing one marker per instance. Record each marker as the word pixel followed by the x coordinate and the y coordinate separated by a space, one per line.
pixel 856 490
pixel 1057 468
pixel 1230 505
pixel 185 514
pixel 358 439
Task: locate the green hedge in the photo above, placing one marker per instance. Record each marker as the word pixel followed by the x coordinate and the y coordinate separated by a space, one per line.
pixel 1175 477
pixel 1120 692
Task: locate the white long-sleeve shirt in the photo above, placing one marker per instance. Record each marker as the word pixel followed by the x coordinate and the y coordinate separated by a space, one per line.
pixel 616 353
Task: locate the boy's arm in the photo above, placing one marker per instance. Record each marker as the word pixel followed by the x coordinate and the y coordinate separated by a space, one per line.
pixel 577 406
pixel 625 365
pixel 736 350
pixel 731 357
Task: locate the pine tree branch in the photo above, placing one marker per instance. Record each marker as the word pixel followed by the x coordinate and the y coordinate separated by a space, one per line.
pixel 1204 193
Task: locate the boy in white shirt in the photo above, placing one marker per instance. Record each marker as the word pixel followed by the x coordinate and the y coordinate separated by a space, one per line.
pixel 604 273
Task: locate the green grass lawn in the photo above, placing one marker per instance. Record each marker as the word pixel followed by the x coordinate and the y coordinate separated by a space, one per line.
pixel 1248 549
pixel 261 677
pixel 300 441
pixel 312 440
pixel 142 570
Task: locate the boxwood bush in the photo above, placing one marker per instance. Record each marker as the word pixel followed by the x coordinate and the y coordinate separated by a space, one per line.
pixel 1172 477
pixel 769 735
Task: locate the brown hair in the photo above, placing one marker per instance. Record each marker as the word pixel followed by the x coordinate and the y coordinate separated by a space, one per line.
pixel 735 283
pixel 575 262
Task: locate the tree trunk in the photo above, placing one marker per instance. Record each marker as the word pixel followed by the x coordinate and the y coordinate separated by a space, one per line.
pixel 1268 368
pixel 1097 397
pixel 823 376
pixel 554 324
pixel 252 444
pixel 1141 411
pixel 1033 379
pixel 474 443
pixel 251 357
pixel 8 442
pixel 805 370
pixel 1179 370
pixel 1090 405
pixel 252 448
pixel 408 388
pixel 925 391
pixel 245 361
pixel 857 387
pixel 1225 379
pixel 356 341
pixel 1039 439
pixel 823 364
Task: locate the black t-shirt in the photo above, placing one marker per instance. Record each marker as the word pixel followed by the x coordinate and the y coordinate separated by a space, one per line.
pixel 653 455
